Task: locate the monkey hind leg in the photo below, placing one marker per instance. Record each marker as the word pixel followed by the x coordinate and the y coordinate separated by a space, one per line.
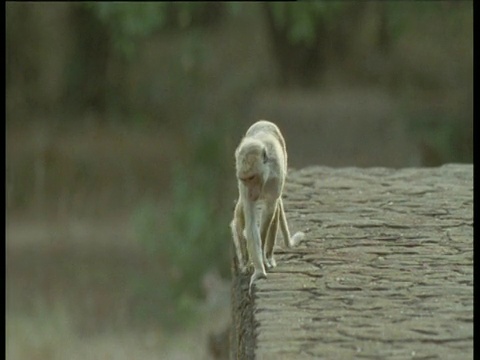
pixel 270 239
pixel 270 262
pixel 289 241
pixel 268 233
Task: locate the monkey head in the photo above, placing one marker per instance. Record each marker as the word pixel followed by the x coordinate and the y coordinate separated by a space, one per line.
pixel 252 169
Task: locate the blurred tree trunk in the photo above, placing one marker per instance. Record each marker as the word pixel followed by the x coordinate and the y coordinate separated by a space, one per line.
pixel 20 72
pixel 384 40
pixel 296 62
pixel 88 73
pixel 346 27
pixel 37 53
pixel 335 37
pixel 57 61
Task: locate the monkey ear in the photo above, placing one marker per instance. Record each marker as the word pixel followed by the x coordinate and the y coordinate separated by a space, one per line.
pixel 264 156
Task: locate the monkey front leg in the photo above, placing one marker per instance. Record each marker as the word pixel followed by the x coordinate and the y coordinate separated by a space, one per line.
pixel 237 226
pixel 254 244
pixel 238 241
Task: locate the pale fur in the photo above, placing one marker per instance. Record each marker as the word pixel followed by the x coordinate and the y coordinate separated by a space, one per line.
pixel 261 153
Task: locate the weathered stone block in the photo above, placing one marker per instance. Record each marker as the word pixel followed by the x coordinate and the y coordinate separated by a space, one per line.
pixel 385 271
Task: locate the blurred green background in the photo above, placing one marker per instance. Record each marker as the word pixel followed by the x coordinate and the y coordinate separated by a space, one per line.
pixel 122 120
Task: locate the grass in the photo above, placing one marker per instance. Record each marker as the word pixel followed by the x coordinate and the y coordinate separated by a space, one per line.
pixel 49 334
pixel 70 295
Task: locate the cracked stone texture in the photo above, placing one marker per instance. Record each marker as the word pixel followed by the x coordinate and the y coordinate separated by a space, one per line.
pixel 385 270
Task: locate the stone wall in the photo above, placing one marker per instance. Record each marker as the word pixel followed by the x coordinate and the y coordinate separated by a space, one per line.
pixel 385 271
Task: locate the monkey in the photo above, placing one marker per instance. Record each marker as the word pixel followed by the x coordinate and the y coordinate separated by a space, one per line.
pixel 261 169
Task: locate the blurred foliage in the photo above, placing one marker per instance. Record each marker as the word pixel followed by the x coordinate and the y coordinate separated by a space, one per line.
pixel 400 13
pixel 442 138
pixel 158 295
pixel 301 19
pixel 200 215
pixel 130 22
pixel 196 238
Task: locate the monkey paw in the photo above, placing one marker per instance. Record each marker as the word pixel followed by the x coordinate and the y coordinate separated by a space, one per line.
pixel 297 238
pixel 270 262
pixel 243 268
pixel 256 276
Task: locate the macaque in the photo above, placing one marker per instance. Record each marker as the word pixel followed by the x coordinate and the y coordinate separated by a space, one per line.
pixel 261 168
